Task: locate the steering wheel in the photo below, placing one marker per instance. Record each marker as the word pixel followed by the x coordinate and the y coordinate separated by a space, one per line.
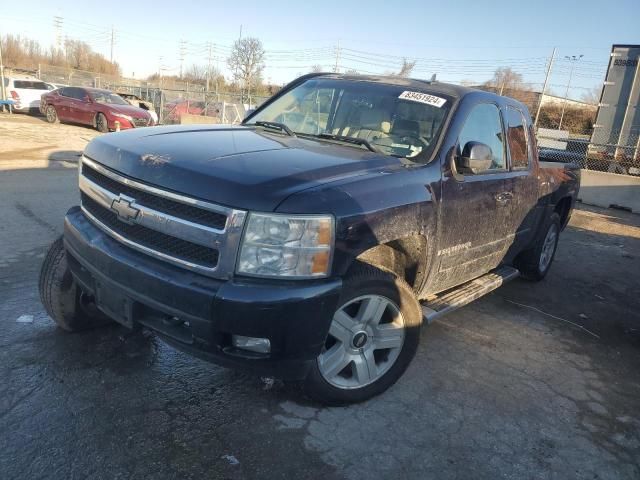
pixel 414 140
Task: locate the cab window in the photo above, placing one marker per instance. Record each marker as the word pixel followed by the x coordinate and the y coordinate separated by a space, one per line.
pixel 484 125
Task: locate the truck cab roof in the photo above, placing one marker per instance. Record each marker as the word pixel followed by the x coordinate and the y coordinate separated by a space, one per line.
pixel 434 86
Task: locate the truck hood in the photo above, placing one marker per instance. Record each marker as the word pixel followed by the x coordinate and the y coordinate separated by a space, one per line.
pixel 235 166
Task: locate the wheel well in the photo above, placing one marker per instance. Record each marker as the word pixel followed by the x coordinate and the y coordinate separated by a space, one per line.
pixel 563 207
pixel 406 257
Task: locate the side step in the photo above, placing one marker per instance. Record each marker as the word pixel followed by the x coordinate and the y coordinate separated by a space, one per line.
pixel 460 296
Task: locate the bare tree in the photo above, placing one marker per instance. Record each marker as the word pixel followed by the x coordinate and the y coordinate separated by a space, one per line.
pixel 316 69
pixel 406 68
pixel 26 53
pixel 504 79
pixel 77 54
pixel 351 72
pixel 247 61
pixel 196 74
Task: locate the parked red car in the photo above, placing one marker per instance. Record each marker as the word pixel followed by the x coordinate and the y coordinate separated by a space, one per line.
pixel 92 106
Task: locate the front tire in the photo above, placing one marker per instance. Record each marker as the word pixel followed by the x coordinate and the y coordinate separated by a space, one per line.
pixel 101 123
pixel 373 337
pixel 62 298
pixel 536 262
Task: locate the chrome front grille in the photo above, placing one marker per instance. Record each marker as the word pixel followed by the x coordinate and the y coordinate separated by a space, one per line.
pixel 207 218
pixel 181 230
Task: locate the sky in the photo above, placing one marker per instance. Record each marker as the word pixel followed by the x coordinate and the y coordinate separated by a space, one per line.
pixel 456 40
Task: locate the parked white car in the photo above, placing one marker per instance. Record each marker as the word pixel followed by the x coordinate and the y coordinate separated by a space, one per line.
pixel 25 92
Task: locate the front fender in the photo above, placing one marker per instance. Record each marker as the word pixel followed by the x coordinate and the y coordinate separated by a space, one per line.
pixel 374 210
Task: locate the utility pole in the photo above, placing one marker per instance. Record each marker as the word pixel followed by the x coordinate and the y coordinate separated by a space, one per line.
pixel 544 86
pixel 209 66
pixel 336 67
pixel 160 113
pixel 573 59
pixel 3 91
pixel 160 72
pixel 183 48
pixel 217 76
pixel 112 41
pixel 57 25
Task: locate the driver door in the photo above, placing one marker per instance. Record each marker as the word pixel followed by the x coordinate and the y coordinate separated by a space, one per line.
pixel 473 228
pixel 81 107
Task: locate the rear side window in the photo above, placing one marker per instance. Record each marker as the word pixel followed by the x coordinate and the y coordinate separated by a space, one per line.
pixel 517 139
pixel 73 92
pixel 30 85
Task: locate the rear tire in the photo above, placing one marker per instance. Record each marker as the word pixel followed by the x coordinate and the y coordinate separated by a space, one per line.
pixel 101 123
pixel 62 298
pixel 365 354
pixel 51 114
pixel 534 264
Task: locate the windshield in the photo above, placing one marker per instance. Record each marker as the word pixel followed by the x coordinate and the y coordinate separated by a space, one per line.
pixel 395 120
pixel 108 98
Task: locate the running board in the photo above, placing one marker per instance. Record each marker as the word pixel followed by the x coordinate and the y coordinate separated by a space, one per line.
pixel 452 300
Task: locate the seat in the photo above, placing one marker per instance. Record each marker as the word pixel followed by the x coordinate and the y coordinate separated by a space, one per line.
pixel 406 128
pixel 374 124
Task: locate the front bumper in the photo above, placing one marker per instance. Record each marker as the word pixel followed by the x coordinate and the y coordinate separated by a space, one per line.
pixel 125 124
pixel 199 314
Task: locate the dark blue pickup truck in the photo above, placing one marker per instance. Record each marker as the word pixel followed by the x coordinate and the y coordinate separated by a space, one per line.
pixel 312 241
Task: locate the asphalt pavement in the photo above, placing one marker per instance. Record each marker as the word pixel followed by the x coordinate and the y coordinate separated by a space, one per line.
pixel 533 381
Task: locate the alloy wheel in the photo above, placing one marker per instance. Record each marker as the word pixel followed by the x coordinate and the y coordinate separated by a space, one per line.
pixel 365 338
pixel 548 248
pixel 51 114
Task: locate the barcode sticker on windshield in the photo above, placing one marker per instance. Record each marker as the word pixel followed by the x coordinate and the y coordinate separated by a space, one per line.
pixel 423 98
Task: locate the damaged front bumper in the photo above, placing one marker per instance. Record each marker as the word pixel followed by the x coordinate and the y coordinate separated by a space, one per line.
pixel 199 314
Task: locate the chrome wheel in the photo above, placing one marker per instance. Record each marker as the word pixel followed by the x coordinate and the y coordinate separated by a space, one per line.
pixel 548 248
pixel 365 338
pixel 51 114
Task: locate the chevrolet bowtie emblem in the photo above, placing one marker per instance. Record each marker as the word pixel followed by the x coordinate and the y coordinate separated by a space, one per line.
pixel 123 206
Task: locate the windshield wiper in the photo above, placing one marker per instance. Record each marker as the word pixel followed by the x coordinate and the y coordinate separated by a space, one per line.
pixel 343 138
pixel 275 125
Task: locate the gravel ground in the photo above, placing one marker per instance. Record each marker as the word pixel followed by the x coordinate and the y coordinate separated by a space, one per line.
pixel 532 381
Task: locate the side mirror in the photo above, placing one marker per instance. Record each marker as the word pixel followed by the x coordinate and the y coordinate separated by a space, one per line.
pixel 476 157
pixel 249 112
pixel 86 99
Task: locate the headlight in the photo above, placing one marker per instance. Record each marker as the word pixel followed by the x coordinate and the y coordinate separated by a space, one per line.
pixel 121 115
pixel 286 246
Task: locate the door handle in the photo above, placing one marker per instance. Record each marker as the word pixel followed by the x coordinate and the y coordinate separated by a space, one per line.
pixel 504 197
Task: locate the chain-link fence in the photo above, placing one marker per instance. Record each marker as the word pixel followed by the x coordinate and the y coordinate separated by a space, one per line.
pixel 174 101
pixel 602 151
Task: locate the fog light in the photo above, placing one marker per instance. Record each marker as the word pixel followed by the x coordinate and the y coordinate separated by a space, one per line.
pixel 254 344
